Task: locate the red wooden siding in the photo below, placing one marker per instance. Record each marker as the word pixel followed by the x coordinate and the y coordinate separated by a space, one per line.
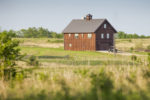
pixel 80 43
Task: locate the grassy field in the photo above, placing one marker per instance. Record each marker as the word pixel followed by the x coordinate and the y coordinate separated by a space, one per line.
pixel 127 44
pixel 79 75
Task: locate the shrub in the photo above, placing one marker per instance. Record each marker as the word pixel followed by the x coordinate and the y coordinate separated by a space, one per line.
pixel 9 54
pixel 102 88
pixel 133 57
pixel 42 76
pixel 130 40
pixel 33 61
pixel 148 47
pixel 83 72
pixel 131 49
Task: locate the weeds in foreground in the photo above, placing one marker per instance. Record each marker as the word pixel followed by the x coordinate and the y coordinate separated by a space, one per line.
pixel 102 88
pixel 33 61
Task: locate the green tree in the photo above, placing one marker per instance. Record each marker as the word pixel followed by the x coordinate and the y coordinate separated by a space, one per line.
pixel 123 35
pixel 60 35
pixel 9 53
pixel 53 34
pixel 12 33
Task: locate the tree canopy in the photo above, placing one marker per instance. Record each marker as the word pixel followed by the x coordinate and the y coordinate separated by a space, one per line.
pixel 123 35
pixel 33 32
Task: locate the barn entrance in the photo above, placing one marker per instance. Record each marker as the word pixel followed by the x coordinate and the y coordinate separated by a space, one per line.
pixel 102 46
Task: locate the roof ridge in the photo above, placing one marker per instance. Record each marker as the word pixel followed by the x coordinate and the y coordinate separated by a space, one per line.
pixel 92 19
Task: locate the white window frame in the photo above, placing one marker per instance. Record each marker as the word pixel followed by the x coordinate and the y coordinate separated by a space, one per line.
pixel 108 35
pixel 82 35
pixel 89 35
pixel 69 35
pixel 70 45
pixel 76 35
pixel 105 25
pixel 102 35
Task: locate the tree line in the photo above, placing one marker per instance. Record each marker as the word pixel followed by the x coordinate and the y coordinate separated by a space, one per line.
pixel 33 32
pixel 123 35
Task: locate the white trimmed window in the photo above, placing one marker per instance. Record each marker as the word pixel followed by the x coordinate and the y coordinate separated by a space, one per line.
pixel 108 36
pixel 82 35
pixel 76 35
pixel 105 25
pixel 70 45
pixel 89 35
pixel 69 35
pixel 102 36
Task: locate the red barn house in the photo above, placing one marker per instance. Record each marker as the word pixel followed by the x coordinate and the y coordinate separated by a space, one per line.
pixel 89 34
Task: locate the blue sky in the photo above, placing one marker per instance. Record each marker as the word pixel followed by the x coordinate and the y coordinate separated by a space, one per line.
pixel 131 16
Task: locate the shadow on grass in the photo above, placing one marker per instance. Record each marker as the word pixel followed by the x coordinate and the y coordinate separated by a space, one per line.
pixel 54 57
pixel 91 62
pixel 48 57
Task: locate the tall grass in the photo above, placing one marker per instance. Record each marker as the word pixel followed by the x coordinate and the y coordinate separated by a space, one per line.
pixel 78 75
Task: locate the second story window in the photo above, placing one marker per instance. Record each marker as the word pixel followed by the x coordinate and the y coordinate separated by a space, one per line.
pixel 89 35
pixel 102 36
pixel 76 35
pixel 69 35
pixel 105 25
pixel 108 36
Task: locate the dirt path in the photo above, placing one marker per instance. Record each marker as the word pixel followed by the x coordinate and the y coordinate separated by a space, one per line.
pixel 49 45
pixel 123 53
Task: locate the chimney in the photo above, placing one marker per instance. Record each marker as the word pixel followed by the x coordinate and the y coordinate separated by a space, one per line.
pixel 88 17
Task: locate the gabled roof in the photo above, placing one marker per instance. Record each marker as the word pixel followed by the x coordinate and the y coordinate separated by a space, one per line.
pixel 83 26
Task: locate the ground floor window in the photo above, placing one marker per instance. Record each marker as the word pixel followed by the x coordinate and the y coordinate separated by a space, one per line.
pixel 70 45
pixel 107 35
pixel 102 36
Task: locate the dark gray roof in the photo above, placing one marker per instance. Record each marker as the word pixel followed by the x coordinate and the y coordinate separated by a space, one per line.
pixel 83 26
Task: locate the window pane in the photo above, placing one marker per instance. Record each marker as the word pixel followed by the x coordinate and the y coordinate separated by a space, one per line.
pixel 69 35
pixel 102 36
pixel 76 36
pixel 105 25
pixel 107 35
pixel 70 45
pixel 89 35
pixel 82 35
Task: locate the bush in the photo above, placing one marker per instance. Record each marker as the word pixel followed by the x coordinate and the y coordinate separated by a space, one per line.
pixel 133 57
pixel 148 47
pixel 130 40
pixel 83 72
pixel 102 88
pixel 131 49
pixel 33 61
pixel 9 54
